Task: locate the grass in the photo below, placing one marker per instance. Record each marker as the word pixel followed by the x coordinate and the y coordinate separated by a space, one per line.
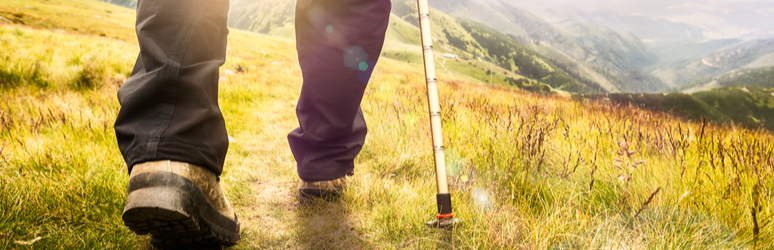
pixel 749 106
pixel 92 18
pixel 526 171
pixel 680 104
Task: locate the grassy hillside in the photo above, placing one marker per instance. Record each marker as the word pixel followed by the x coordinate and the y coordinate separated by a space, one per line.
pixel 750 106
pixel 577 68
pixel 263 16
pixel 126 3
pixel 89 18
pixel 526 171
pixel 637 81
pixel 763 77
pixel 403 44
pixel 679 104
pixel 746 105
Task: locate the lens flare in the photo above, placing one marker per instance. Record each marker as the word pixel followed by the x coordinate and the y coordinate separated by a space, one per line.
pixel 363 66
pixel 481 199
pixel 354 56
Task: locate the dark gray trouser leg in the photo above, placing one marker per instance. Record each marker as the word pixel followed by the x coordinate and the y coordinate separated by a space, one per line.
pixel 169 106
pixel 338 42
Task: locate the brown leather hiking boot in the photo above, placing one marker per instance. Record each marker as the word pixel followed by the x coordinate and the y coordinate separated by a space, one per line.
pixel 322 189
pixel 180 205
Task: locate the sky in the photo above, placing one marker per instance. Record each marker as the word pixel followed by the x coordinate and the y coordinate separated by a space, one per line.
pixel 634 6
pixel 721 18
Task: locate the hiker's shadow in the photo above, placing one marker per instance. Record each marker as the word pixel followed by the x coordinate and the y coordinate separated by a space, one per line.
pixel 327 225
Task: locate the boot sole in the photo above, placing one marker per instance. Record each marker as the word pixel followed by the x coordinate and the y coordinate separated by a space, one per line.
pixel 176 213
pixel 310 194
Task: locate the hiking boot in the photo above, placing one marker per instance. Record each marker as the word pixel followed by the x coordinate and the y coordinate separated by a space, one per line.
pixel 322 189
pixel 180 205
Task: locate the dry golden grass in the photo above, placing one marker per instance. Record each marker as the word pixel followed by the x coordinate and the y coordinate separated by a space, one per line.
pixel 527 171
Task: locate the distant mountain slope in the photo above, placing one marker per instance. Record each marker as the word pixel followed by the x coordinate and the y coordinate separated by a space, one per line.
pixel 638 82
pixel 493 13
pixel 688 49
pixel 478 41
pixel 763 77
pixel 263 16
pixel 579 69
pixel 716 64
pixel 653 29
pixel 661 21
pixel 616 52
pixel 751 105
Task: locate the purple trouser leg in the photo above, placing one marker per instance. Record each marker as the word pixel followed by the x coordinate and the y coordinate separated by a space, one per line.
pixel 338 42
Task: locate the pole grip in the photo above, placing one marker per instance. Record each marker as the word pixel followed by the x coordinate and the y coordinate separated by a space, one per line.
pixel 444 205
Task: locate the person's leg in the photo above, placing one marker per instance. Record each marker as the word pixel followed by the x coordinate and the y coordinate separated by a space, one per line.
pixel 170 129
pixel 338 43
pixel 169 105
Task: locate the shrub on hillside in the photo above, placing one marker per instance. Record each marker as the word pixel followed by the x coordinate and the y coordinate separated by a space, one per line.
pixel 91 76
pixel 14 74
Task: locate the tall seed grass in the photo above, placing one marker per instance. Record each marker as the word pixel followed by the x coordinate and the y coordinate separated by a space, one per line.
pixel 568 174
pixel 62 179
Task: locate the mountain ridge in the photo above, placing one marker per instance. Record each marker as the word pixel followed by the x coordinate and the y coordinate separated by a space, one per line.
pixel 587 45
pixel 684 71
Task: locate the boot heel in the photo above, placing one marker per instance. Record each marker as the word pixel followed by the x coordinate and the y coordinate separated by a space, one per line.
pixel 160 210
pixel 164 201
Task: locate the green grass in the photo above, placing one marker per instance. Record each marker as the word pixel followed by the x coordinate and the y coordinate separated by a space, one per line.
pixel 762 77
pixel 749 106
pixel 527 171
pixel 678 104
pixel 746 105
pixel 80 17
pixel 277 19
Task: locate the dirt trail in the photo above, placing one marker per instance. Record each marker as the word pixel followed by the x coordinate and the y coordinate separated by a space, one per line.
pixel 443 64
pixel 270 212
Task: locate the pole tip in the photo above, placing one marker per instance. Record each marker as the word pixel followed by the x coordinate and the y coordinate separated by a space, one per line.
pixel 444 223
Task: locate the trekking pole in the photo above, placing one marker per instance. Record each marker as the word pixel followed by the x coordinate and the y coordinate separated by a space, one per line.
pixel 445 217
